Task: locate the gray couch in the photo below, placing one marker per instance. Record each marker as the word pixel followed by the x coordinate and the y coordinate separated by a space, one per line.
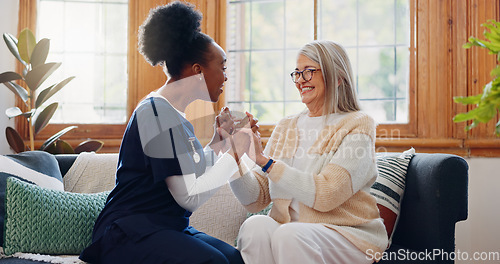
pixel 435 199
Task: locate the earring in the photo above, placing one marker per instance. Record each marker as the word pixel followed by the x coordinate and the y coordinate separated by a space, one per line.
pixel 201 76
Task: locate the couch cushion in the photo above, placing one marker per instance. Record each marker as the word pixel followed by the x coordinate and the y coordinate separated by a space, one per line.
pixel 91 173
pixel 221 216
pixel 389 186
pixel 36 167
pixel 40 220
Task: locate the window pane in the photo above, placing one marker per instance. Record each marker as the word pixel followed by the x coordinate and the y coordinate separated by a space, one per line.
pixel 402 110
pixel 266 69
pixel 267 25
pixel 50 26
pixel 338 21
pixel 238 24
pixel 299 31
pixel 267 113
pixel 402 22
pixel 381 110
pixel 376 37
pixel 402 71
pixel 374 33
pixel 238 77
pixel 90 39
pixel 376 22
pixel 376 77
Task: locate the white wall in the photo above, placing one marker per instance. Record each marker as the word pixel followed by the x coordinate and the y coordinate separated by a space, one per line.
pixel 480 233
pixel 8 24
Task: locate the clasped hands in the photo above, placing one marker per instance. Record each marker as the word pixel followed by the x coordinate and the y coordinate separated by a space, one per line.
pixel 237 136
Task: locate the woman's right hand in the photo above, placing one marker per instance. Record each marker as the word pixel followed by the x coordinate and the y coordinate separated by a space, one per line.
pixel 225 121
pixel 223 127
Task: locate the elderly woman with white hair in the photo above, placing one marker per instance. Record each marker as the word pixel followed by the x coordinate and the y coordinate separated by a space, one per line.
pixel 316 170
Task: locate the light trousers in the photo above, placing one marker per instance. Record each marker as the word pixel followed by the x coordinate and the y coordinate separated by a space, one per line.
pixel 263 240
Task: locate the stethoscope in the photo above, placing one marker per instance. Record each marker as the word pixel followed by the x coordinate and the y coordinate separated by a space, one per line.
pixel 196 156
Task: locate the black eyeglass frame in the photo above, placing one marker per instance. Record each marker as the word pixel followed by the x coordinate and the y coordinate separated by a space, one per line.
pixel 295 79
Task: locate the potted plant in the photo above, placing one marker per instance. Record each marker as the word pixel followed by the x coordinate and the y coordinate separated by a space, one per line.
pixel 488 102
pixel 36 70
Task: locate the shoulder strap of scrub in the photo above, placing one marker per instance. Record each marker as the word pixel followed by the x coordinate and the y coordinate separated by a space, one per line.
pixel 155 112
pixel 159 125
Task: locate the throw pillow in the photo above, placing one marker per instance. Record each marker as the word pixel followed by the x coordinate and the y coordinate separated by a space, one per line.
pixel 37 167
pixel 44 221
pixel 389 187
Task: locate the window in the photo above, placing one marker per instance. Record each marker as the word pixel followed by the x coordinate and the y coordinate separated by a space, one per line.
pixel 264 37
pixel 90 38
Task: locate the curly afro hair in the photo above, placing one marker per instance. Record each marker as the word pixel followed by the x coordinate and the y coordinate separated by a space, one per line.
pixel 171 34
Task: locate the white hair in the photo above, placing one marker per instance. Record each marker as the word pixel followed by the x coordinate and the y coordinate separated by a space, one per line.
pixel 340 92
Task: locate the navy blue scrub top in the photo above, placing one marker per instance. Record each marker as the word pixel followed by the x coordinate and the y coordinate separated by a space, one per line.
pixel 157 143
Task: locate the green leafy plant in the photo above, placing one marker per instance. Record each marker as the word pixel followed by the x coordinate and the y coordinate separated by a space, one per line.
pixel 488 102
pixel 33 56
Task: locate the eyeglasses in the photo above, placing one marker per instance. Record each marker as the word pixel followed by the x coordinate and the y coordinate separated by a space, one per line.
pixel 307 75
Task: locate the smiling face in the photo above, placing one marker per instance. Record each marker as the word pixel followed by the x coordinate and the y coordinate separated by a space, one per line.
pixel 214 71
pixel 312 92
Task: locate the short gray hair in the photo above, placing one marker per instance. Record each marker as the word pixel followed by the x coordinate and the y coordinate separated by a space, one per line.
pixel 335 65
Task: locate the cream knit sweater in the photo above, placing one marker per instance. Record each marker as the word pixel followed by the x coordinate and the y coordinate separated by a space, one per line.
pixel 335 191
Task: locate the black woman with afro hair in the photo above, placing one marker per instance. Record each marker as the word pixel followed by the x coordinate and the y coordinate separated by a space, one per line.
pixel 163 173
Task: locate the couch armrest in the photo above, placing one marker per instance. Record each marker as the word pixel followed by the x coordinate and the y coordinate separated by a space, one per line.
pixel 435 199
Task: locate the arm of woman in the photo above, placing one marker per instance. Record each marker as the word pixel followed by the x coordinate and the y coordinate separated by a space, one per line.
pixel 190 192
pixel 252 186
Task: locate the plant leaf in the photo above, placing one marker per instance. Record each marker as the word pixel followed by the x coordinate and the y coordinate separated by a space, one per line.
pixel 15 140
pixel 54 90
pixel 474 99
pixel 18 90
pixel 40 52
pixel 60 147
pixel 39 74
pixel 56 136
pixel 486 113
pixel 473 125
pixel 89 146
pixel 9 76
pixel 495 72
pixel 26 44
pixel 492 37
pixel 11 42
pixel 64 147
pixel 40 98
pixel 15 111
pixel 50 148
pixel 465 116
pixel 42 119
